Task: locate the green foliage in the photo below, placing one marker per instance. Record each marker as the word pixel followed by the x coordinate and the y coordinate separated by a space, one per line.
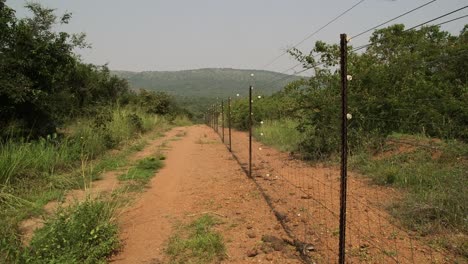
pixel 84 233
pixel 20 160
pixel 407 82
pixel 197 90
pixel 42 82
pixel 277 106
pixel 144 169
pixel 428 171
pixel 181 121
pixel 434 174
pixel 36 172
pixel 203 83
pixel 197 243
pixel 281 134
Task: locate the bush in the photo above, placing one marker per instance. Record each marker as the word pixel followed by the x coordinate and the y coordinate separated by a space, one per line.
pixel 282 134
pixel 83 233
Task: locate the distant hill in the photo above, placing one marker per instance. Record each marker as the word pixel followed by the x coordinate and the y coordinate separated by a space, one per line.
pixel 207 83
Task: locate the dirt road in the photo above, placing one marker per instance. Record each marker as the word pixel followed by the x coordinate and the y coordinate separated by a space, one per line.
pixel 200 176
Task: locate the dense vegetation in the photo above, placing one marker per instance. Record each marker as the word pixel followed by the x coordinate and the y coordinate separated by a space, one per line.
pixel 407 82
pixel 198 89
pixel 43 83
pixel 203 82
pixel 59 117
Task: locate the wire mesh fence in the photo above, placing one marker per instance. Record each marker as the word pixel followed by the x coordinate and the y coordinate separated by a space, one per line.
pixel 325 221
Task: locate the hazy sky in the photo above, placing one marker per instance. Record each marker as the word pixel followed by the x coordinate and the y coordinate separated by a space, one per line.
pixel 143 35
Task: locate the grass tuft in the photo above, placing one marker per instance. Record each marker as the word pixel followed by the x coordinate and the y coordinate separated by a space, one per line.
pixel 144 169
pixel 197 243
pixel 83 233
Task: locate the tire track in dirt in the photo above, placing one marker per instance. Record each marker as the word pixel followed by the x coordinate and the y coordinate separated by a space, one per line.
pixel 200 176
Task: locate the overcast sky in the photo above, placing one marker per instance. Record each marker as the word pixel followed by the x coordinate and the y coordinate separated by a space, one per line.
pixel 142 35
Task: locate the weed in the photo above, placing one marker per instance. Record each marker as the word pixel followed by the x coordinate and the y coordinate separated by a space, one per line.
pixel 197 243
pixel 83 233
pixel 144 169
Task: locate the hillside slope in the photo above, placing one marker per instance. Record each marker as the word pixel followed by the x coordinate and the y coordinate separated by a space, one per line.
pixel 209 83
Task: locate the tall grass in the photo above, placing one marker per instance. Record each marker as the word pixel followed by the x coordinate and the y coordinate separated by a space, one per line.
pixel 281 134
pixel 433 175
pixel 29 159
pixel 22 159
pixel 35 172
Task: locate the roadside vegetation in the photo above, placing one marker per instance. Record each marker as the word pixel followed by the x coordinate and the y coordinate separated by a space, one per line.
pixel 197 243
pixel 143 170
pixel 281 134
pixel 408 92
pixel 85 232
pixel 64 122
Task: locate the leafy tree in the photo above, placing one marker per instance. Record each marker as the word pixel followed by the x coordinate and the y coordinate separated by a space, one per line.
pixel 42 81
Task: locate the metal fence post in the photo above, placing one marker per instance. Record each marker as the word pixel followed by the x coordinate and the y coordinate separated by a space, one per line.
pixel 217 117
pixel 344 146
pixel 212 117
pixel 229 123
pixel 250 130
pixel 222 119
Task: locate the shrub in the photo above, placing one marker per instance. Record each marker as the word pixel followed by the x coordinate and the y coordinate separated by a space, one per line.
pixel 83 233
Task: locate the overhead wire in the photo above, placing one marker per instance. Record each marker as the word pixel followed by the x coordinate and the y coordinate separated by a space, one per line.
pixel 355 36
pixel 419 25
pixel 393 19
pixel 312 34
pixel 451 20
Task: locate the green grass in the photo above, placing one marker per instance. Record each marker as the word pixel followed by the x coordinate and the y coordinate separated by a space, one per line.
pixel 144 170
pixel 197 243
pixel 281 134
pixel 82 233
pixel 36 172
pixel 433 175
pixel 181 121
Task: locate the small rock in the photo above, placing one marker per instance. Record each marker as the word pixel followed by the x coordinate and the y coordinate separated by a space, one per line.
pixel 269 257
pixel 306 197
pixel 251 235
pixel 276 243
pixel 252 253
pixel 249 227
pixel 277 227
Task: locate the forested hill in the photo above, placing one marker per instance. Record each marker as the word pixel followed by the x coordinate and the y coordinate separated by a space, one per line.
pixel 206 83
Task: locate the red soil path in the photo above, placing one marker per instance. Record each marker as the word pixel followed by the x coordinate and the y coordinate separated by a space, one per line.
pixel 200 176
